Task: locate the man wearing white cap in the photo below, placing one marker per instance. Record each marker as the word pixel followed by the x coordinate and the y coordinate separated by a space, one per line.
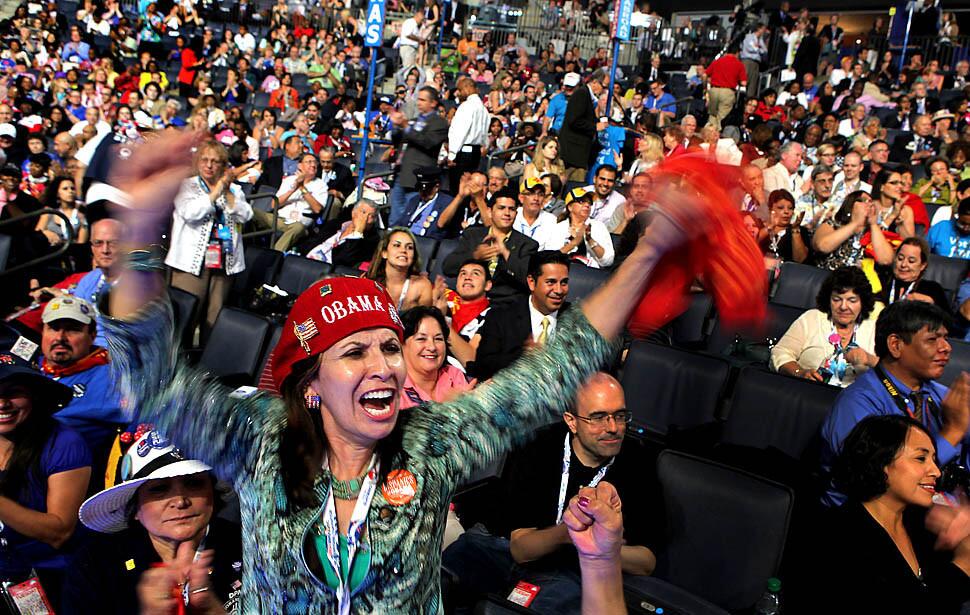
pixel 72 358
pixel 160 545
pixel 556 110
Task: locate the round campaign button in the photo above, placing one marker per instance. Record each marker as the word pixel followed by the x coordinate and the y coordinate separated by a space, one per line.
pixel 400 487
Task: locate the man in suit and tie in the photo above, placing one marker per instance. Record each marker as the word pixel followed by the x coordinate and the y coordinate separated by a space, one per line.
pixel 577 139
pixel 506 250
pixel 922 104
pixel 421 140
pixel 422 208
pixel 529 321
pixel 276 168
pixel 339 180
pixel 653 72
pixel 914 147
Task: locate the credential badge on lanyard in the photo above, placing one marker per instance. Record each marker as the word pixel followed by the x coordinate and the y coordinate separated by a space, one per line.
pixel 564 481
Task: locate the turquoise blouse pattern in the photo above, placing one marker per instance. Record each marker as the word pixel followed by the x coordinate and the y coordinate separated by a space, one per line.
pixel 443 445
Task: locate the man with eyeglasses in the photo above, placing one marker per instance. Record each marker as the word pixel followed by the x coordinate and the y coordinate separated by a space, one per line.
pixel 952 237
pixel 660 103
pixel 816 206
pixel 537 484
pixel 105 236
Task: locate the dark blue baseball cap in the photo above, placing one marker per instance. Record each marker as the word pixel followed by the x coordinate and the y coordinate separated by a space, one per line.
pixel 46 394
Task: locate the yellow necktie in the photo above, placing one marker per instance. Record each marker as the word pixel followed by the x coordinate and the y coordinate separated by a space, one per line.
pixel 545 331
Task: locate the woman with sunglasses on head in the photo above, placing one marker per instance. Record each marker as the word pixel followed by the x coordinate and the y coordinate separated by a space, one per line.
pixel 343 498
pixel 842 240
pixel 892 212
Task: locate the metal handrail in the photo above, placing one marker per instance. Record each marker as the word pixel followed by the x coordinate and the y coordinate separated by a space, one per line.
pixel 276 214
pixel 511 150
pixel 40 259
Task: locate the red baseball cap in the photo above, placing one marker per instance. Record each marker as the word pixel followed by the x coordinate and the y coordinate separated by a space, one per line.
pixel 327 312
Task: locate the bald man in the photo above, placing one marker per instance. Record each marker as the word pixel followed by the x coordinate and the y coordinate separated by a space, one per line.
pixel 105 236
pixel 588 447
pixel 467 134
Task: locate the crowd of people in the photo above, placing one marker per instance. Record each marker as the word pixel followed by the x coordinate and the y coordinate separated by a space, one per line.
pixel 157 146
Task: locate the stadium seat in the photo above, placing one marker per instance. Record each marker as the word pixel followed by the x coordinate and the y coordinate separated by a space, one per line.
pixel 234 350
pixel 949 272
pixel 425 247
pixel 274 337
pixel 5 243
pixel 726 533
pixel 584 280
pixel 798 284
pixel 959 361
pixel 262 267
pixel 690 329
pixel 445 247
pixel 184 305
pixel 931 209
pixel 667 387
pixel 298 273
pixel 772 410
pixel 260 100
pixel 778 318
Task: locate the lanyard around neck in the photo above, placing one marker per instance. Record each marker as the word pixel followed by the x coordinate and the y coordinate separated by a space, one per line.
pixel 892 291
pixel 900 400
pixel 355 532
pixel 564 481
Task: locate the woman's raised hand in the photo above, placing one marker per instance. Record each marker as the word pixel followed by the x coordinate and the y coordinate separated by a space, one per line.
pixel 595 522
pixel 151 177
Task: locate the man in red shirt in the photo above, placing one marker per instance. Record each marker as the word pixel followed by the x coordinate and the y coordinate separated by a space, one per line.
pixel 724 76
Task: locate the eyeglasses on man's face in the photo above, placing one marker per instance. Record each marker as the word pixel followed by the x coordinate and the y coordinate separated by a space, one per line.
pixel 601 419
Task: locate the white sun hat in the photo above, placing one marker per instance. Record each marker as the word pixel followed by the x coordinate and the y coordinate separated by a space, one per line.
pixel 151 457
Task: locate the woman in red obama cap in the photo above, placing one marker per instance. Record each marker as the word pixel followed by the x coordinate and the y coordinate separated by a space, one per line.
pixel 344 498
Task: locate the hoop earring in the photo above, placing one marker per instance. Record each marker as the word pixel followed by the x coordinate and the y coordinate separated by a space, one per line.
pixel 311 399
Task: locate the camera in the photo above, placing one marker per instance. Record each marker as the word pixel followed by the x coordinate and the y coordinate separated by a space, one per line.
pixel 954 478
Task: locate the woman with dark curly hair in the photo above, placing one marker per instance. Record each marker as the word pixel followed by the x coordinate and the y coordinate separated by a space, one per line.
pixel 879 556
pixel 834 342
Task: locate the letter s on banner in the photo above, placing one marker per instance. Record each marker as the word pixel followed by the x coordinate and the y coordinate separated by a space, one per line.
pixel 374 29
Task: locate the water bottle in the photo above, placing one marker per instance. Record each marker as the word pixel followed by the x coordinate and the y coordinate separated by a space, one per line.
pixel 770 601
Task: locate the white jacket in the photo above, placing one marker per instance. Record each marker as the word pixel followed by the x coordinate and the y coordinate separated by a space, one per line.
pixel 192 228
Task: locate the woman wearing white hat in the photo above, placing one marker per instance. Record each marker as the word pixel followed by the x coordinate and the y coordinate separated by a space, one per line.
pixel 158 531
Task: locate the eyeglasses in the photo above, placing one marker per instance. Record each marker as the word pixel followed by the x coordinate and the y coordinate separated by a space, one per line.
pixel 602 419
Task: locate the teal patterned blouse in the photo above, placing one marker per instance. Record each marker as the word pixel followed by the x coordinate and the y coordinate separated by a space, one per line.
pixel 443 445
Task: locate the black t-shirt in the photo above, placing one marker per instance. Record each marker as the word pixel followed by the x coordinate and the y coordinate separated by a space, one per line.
pixel 931 289
pixel 532 479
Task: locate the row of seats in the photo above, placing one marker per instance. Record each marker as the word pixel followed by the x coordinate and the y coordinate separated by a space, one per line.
pixel 727 531
pixel 798 284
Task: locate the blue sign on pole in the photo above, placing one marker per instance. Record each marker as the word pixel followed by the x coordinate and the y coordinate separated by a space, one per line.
pixel 622 14
pixel 374 29
pixel 373 38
